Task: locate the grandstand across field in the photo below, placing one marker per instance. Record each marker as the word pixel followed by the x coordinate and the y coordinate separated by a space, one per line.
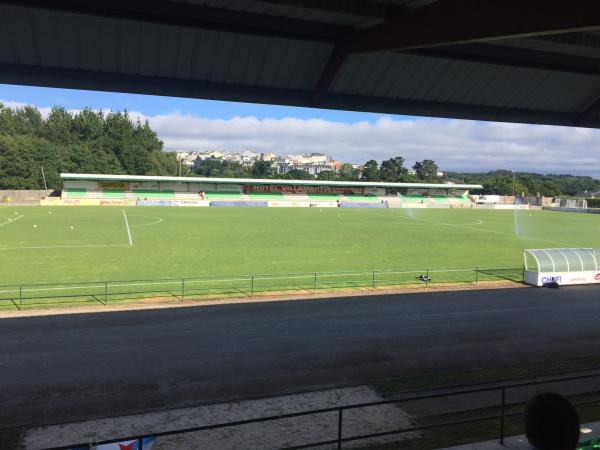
pixel 92 189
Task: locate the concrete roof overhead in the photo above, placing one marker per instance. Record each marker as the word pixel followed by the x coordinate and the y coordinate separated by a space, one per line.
pixel 530 61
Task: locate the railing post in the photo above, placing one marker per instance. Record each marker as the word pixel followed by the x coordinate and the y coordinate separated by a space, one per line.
pixel 20 298
pixel 373 280
pixel 140 443
pixel 426 277
pixel 502 405
pixel 476 274
pixel 182 289
pixel 315 285
pixel 252 287
pixel 523 275
pixel 339 438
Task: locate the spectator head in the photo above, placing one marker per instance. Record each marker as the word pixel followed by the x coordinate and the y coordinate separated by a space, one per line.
pixel 551 422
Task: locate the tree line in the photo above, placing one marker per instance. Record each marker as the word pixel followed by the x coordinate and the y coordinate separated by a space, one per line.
pixel 391 170
pixel 81 142
pixel 506 182
pixel 499 182
pixel 96 142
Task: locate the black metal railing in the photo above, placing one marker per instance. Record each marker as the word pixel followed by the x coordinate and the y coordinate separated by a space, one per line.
pixel 102 292
pixel 338 440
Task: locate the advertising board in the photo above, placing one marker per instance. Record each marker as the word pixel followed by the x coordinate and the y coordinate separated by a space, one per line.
pixel 562 278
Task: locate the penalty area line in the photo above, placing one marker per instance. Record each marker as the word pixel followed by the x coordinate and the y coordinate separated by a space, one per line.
pixel 128 230
pixel 11 221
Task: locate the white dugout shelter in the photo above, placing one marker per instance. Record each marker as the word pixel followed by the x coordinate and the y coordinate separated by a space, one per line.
pixel 562 265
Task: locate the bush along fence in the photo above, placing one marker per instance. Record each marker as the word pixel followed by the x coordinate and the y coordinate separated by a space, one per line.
pixel 189 288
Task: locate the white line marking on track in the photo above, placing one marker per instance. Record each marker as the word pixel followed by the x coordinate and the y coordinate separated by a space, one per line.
pixel 11 221
pixel 127 226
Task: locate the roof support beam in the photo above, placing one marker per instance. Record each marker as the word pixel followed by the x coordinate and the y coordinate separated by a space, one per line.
pixel 514 57
pixel 191 16
pixel 588 116
pixel 450 22
pixel 330 71
pixel 475 53
pixel 117 82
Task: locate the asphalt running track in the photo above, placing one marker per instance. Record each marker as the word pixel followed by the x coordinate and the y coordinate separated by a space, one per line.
pixel 57 368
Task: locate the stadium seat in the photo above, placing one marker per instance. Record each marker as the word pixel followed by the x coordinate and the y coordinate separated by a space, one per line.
pixel 182 195
pixel 412 198
pixel 440 198
pixel 324 197
pixel 296 197
pixel 361 198
pixel 223 195
pixel 154 194
pixel 75 193
pixel 113 193
pixel 265 196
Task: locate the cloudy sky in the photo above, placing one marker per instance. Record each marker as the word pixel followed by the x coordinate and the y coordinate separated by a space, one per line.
pixel 460 145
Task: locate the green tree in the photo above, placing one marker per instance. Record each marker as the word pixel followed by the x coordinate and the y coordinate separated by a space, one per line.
pixel 348 173
pixel 370 171
pixel 328 175
pixel 262 169
pixel 393 170
pixel 426 170
pixel 84 142
pixel 213 167
pixel 299 174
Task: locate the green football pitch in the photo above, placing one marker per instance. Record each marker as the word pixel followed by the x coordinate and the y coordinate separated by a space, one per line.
pixel 77 244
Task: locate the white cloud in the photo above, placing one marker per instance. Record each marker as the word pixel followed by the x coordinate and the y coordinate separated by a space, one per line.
pixel 454 144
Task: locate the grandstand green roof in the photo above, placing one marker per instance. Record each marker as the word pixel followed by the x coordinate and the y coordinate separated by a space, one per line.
pixel 140 178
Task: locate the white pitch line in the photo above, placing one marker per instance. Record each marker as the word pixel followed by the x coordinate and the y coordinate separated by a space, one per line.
pixel 63 246
pixel 469 227
pixel 158 220
pixel 128 231
pixel 11 221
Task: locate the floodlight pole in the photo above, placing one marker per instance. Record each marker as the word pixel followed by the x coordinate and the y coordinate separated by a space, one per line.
pixel 513 177
pixel 44 178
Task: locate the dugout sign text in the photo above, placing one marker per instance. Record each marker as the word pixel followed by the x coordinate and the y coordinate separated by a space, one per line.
pixel 562 278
